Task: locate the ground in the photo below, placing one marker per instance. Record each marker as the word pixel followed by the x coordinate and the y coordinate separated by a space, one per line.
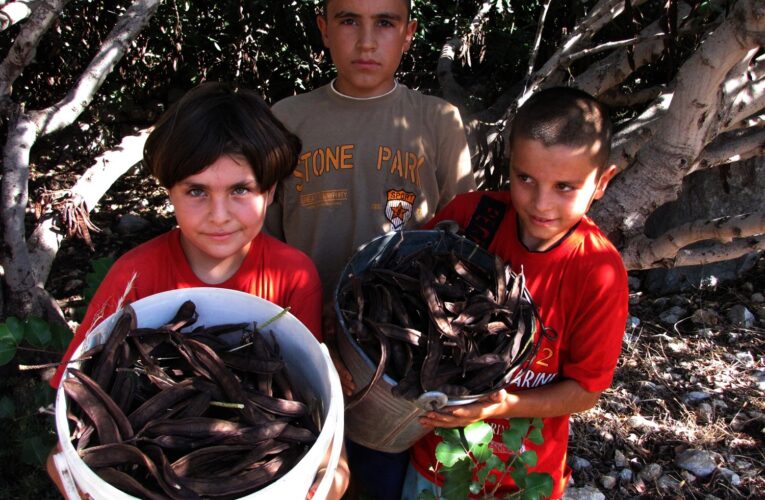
pixel 688 378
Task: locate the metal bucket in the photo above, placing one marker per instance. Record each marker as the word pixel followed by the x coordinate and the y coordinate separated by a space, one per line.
pixel 382 421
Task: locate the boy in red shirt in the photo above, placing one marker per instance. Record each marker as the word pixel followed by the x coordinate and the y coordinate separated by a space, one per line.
pixel 560 143
pixel 219 153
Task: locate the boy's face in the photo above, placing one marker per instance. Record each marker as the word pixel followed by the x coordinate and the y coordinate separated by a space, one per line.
pixel 552 188
pixel 219 211
pixel 367 39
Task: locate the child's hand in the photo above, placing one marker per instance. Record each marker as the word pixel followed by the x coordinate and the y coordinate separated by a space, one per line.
pixel 461 416
pixel 346 379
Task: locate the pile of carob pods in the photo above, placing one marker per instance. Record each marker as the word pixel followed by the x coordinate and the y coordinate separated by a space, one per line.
pixel 162 414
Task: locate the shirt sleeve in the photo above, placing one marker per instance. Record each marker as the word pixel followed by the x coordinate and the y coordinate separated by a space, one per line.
pixel 454 169
pixel 594 339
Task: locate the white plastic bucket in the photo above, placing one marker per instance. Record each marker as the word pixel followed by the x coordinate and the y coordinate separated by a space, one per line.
pixel 308 360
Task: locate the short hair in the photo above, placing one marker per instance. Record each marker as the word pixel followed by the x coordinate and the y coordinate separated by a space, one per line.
pixel 213 120
pixel 408 3
pixel 565 116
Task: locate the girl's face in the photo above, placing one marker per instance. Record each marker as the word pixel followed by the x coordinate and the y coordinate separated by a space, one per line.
pixel 219 211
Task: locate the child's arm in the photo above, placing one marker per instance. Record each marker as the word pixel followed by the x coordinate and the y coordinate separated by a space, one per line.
pixel 552 400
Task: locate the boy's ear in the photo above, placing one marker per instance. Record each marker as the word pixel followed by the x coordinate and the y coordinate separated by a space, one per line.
pixel 411 27
pixel 321 22
pixel 603 181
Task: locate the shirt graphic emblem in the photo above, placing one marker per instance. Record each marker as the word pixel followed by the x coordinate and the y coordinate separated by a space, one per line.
pixel 398 209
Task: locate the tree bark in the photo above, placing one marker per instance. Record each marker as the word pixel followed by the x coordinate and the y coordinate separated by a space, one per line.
pixel 22 52
pixel 89 189
pixel 26 288
pixel 656 175
pixel 663 251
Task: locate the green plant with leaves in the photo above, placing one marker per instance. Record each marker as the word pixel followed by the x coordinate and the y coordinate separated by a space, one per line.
pixel 26 346
pixel 33 334
pixel 466 449
pixel 26 404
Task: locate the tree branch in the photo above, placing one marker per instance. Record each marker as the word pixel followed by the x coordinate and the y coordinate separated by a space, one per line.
pixel 656 175
pixel 747 101
pixel 630 139
pixel 730 147
pixel 453 91
pixel 14 12
pixel 717 253
pixel 24 46
pixel 20 276
pixel 601 14
pixel 90 187
pixel 538 38
pixel 615 68
pixel 129 24
pixel 645 253
pixel 615 98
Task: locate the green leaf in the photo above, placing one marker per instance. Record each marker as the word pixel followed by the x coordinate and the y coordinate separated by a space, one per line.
pixel 101 266
pixel 528 458
pixel 449 453
pixel 94 278
pixel 519 475
pixel 536 437
pixel 513 440
pixel 38 332
pixel 538 423
pixel 520 424
pixel 478 436
pixel 7 351
pixel 478 433
pixel 457 480
pixel 538 486
pixel 15 328
pixel 61 336
pixel 451 436
pixel 7 407
pixel 492 463
pixel 34 451
pixel 5 334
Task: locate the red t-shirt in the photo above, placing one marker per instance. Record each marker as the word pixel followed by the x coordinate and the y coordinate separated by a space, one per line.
pixel 580 287
pixel 271 270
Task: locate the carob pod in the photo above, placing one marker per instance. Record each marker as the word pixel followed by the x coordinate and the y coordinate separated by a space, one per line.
pixel 103 370
pixel 106 428
pixel 119 418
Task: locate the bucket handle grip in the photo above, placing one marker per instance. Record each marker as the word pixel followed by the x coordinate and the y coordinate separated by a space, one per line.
pixel 67 481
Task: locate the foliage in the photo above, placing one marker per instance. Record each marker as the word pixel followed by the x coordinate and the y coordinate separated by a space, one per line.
pixel 94 278
pixel 28 436
pixel 28 401
pixel 466 449
pixel 32 333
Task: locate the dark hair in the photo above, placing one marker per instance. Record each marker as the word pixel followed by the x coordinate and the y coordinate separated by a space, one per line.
pixel 213 120
pixel 565 116
pixel 325 3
